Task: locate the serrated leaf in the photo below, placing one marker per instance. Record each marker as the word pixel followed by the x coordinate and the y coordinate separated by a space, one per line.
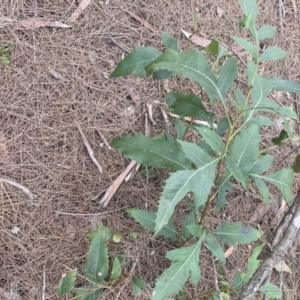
pixel 185 264
pixel 215 247
pixel 88 293
pixel 180 128
pixel 170 42
pixel 179 184
pixel 272 53
pixel 234 169
pixel 282 136
pixel 67 283
pixel 152 152
pixel 212 138
pixel 228 74
pixel 285 85
pixel 189 220
pixel 223 187
pixel 282 179
pixel 96 265
pixel 191 64
pixel 135 62
pixel 261 120
pixel 191 106
pixel 236 233
pixel 116 269
pixel 249 7
pixel 196 230
pixel 245 148
pixel 263 164
pixel 248 46
pixel 266 32
pixel 147 219
pixel 271 291
pixel 239 280
pixel 253 262
pixel 137 284
pixel 296 165
pixel 263 189
pixel 223 125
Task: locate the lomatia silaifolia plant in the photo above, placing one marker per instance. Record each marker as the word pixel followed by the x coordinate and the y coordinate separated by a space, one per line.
pixel 229 149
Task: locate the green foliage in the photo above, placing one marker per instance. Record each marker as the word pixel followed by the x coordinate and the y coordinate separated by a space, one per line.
pixel 5 54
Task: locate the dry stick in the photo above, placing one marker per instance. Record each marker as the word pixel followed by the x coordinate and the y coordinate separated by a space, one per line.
pixel 216 277
pixel 166 119
pixel 89 148
pixel 23 188
pixel 115 185
pixel 279 251
pixel 105 141
pixel 115 42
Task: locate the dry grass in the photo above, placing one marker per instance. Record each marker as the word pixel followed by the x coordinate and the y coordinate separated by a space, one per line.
pixel 41 148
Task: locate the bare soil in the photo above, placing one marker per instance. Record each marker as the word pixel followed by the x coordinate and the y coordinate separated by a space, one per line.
pixel 42 150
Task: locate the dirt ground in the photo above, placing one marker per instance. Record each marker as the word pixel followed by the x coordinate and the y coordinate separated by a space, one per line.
pixel 45 234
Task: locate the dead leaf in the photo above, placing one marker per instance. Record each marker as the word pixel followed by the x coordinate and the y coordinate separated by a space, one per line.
pixel 220 11
pixel 260 212
pixel 56 75
pixel 143 22
pixel 197 40
pixel 283 267
pixel 82 6
pixel 31 24
pixel 229 251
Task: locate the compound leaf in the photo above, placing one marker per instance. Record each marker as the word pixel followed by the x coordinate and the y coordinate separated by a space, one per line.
pixel 215 247
pixel 261 120
pixel 96 265
pixel 266 32
pixel 262 164
pixel 271 291
pixel 190 64
pixel 152 152
pixel 67 283
pixel 147 219
pixel 179 184
pixel 185 264
pixel 249 7
pixel 234 170
pixel 248 46
pixel 253 262
pixel 236 233
pixel 135 62
pixel 284 85
pixel 272 53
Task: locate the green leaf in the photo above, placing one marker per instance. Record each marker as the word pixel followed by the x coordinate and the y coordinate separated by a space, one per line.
pixel 234 169
pixel 170 42
pixel 212 48
pixel 212 138
pixel 92 292
pixel 180 128
pixel 223 125
pixel 67 283
pixel 236 233
pixel 116 269
pixel 263 164
pixel 282 137
pixel 245 148
pixel 185 264
pixel 96 265
pixel 191 106
pixel 228 74
pixel 191 64
pixel 223 187
pixel 239 280
pixel 147 219
pixel 204 146
pixel 152 152
pixel 253 262
pixel 137 284
pixel 196 230
pixel 271 291
pixel 283 180
pixel 296 165
pixel 249 7
pixel 215 247
pixel 189 220
pixel 285 85
pixel 263 189
pixel 261 120
pixel 266 32
pixel 135 62
pixel 272 53
pixel 117 237
pixel 248 46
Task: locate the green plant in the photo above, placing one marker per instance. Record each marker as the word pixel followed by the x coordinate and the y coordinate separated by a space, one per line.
pixel 229 149
pixel 5 54
pixel 96 269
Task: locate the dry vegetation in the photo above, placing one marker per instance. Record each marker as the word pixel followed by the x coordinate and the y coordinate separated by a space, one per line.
pixel 41 147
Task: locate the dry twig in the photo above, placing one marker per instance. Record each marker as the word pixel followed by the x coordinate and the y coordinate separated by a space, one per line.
pixel 17 185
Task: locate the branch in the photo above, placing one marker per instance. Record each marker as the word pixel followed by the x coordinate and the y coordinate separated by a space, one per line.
pixel 265 269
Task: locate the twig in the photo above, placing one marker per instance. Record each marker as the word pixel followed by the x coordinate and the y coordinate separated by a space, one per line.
pixel 279 251
pixel 166 119
pixel 198 122
pixel 115 42
pixel 89 148
pixel 281 12
pixel 86 215
pixel 150 113
pixel 216 277
pixel 17 185
pixel 115 185
pixel 44 284
pixel 105 141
